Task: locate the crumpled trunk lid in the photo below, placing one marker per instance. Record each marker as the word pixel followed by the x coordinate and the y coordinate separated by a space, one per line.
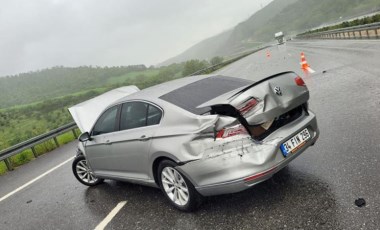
pixel 275 95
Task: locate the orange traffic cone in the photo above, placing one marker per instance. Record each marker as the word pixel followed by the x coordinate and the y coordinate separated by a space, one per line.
pixel 304 64
pixel 268 54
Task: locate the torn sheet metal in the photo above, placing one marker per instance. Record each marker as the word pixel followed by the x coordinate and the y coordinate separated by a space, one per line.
pixel 271 103
pixel 225 160
pixel 238 145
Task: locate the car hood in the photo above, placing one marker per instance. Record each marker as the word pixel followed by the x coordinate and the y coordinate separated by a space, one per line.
pixel 86 113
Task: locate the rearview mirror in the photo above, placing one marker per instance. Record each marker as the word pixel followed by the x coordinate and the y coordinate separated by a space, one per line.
pixel 84 137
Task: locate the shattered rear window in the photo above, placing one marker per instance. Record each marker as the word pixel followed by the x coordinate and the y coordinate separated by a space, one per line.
pixel 192 95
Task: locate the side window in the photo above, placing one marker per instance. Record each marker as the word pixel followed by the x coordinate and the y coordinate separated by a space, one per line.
pixel 133 115
pixel 154 115
pixel 139 114
pixel 106 122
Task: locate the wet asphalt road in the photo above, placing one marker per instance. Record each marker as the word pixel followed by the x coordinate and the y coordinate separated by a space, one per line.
pixel 317 190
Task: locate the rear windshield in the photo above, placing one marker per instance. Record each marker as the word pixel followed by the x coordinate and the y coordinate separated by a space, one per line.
pixel 192 95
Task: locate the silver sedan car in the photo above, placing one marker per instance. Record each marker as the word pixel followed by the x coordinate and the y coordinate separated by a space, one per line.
pixel 196 136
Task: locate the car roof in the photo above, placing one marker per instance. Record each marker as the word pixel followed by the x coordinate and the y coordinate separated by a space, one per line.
pixel 157 91
pixel 160 89
pixel 205 87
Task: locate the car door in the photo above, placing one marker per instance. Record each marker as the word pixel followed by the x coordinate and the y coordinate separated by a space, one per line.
pixel 98 147
pixel 131 144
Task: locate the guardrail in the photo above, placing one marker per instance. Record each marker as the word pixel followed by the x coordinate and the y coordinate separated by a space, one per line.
pixel 227 62
pixel 368 31
pixel 31 143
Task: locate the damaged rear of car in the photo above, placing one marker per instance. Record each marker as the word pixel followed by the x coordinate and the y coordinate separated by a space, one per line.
pixel 259 129
pixel 198 136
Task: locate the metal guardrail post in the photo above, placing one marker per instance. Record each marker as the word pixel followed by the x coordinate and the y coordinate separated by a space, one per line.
pixel 75 134
pixel 8 163
pixel 56 141
pixel 34 152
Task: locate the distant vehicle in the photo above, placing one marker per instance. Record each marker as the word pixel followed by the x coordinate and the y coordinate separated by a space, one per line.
pixel 195 136
pixel 279 36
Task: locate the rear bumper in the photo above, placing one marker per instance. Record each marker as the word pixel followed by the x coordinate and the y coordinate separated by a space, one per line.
pixel 244 163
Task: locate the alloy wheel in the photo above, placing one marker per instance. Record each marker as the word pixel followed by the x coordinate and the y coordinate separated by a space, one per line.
pixel 84 172
pixel 175 186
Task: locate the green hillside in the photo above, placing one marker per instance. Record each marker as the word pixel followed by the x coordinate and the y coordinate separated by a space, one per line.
pixel 289 16
pixel 39 85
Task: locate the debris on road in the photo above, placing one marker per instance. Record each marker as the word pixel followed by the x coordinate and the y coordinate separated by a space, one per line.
pixel 360 202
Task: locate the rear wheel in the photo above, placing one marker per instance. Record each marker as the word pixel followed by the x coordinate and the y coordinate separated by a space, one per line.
pixel 83 173
pixel 177 188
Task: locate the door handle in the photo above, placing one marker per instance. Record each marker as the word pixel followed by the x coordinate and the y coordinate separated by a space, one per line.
pixel 144 138
pixel 108 142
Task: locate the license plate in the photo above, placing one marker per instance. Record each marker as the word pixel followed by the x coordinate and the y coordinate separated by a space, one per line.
pixel 295 143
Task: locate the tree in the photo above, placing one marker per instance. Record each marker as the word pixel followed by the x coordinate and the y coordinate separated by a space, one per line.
pixel 216 60
pixel 193 66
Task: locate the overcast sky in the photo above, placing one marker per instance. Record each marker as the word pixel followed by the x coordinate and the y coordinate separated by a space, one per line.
pixel 44 33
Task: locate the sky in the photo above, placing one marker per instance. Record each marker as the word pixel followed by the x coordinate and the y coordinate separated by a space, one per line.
pixel 45 33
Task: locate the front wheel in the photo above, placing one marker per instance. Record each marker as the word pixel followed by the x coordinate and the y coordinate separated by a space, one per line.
pixel 177 188
pixel 83 173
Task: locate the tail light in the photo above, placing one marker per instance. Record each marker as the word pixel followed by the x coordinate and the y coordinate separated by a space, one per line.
pixel 231 131
pixel 248 105
pixel 299 81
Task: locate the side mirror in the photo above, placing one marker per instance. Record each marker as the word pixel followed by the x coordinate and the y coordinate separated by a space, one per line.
pixel 84 137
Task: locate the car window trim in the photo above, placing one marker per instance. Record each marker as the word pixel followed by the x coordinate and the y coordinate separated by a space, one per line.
pixel 146 114
pixel 117 122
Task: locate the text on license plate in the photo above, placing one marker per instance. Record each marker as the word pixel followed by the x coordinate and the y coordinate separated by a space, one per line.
pixel 296 142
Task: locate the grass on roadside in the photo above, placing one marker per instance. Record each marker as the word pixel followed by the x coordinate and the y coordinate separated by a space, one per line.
pixel 3 168
pixel 65 138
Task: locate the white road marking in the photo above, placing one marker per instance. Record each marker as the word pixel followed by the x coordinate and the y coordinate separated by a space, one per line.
pixel 34 180
pixel 110 216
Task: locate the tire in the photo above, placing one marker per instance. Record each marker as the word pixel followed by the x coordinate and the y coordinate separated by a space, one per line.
pixel 83 173
pixel 177 188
